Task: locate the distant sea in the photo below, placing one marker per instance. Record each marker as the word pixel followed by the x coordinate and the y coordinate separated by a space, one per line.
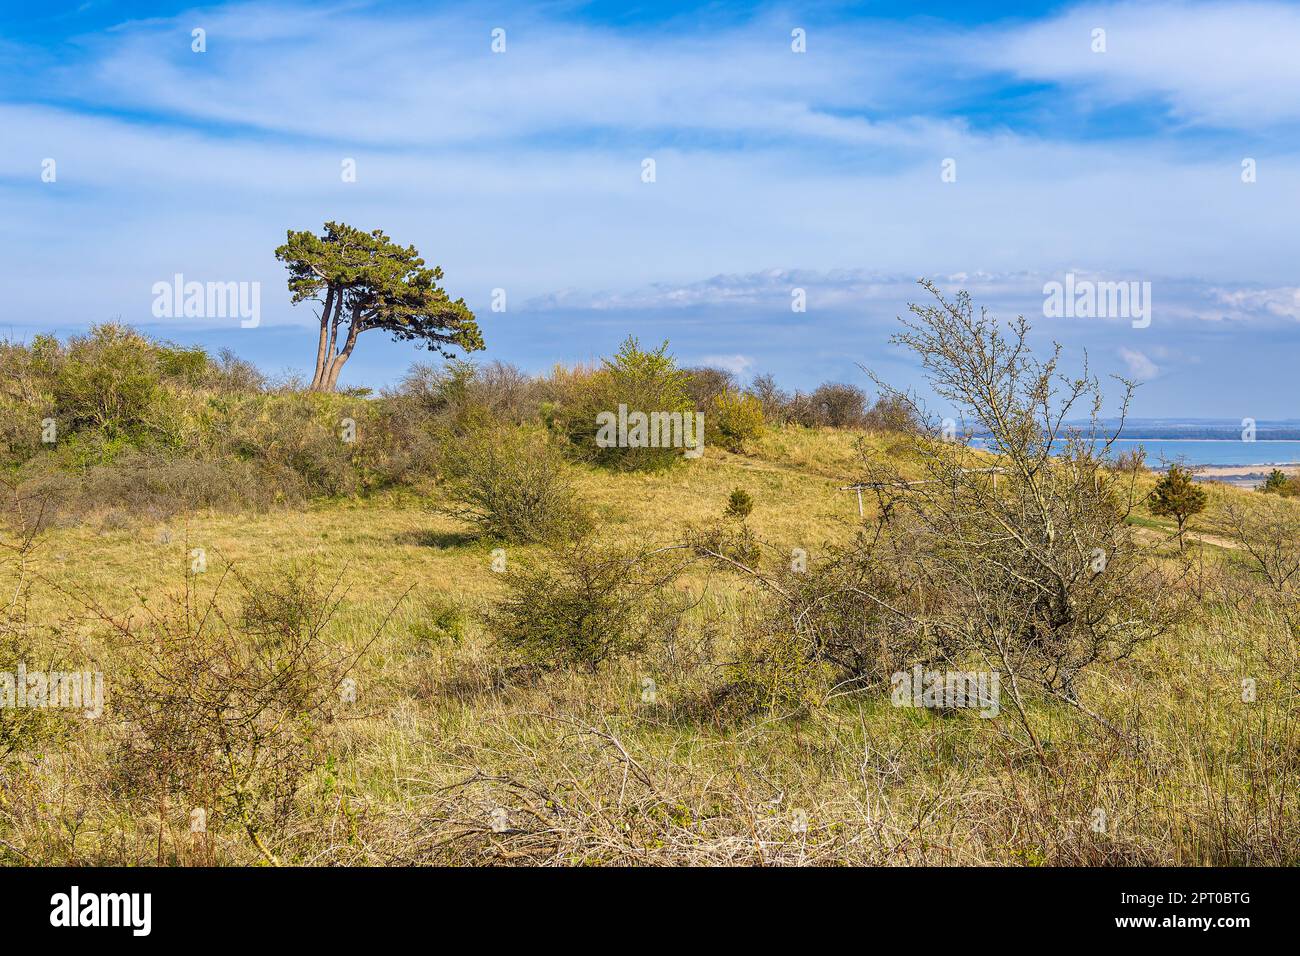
pixel 1211 451
pixel 1161 452
pixel 1202 441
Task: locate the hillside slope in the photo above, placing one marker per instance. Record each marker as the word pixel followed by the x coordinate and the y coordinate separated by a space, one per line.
pixel 445 755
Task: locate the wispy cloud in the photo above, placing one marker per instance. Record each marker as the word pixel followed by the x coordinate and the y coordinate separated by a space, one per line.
pixel 1139 366
pixel 738 365
pixel 1228 64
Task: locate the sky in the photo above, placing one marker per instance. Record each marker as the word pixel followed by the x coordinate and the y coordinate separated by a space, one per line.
pixel 987 150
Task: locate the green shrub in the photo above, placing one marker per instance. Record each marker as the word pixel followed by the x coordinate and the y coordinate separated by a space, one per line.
pixel 1278 483
pixel 731 544
pixel 739 504
pixel 588 604
pixel 1177 496
pixel 513 482
pixel 771 673
pixel 736 418
pixel 639 381
pixel 440 620
pixel 109 380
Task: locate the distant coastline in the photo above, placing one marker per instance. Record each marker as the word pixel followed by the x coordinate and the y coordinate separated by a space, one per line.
pixel 1216 450
pixel 1194 429
pixel 1202 429
pixel 1242 476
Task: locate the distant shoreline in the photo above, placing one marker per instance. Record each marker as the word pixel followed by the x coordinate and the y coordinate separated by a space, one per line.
pixel 1248 476
pixel 1225 459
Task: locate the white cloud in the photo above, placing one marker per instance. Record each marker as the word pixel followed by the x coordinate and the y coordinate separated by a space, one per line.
pixel 1281 302
pixel 312 71
pixel 1177 300
pixel 1231 64
pixel 1139 366
pixel 738 365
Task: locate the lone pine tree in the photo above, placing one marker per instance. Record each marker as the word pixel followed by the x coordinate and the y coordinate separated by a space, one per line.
pixel 367 281
pixel 1177 496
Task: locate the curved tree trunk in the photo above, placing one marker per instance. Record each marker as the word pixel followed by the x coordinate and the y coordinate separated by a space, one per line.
pixel 337 363
pixel 322 347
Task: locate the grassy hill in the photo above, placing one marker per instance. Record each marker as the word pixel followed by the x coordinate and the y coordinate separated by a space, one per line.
pixel 448 754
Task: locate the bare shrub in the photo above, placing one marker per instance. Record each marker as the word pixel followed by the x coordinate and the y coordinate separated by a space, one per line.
pixel 1037 569
pixel 774 401
pixel 839 405
pixel 151 487
pixel 231 375
pixel 506 392
pixel 460 390
pixel 226 705
pixel 705 383
pixel 23 728
pixel 842 620
pixel 568 791
pixel 830 404
pixel 890 414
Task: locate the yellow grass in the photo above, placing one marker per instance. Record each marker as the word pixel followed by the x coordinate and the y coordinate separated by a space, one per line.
pixel 440 745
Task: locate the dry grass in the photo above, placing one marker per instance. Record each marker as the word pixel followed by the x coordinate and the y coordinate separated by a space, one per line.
pixel 447 758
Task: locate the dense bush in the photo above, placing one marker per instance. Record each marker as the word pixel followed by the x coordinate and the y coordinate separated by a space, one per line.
pixel 839 405
pixel 771 673
pixel 637 381
pixel 843 619
pixel 513 482
pixel 1279 483
pixel 831 405
pixel 114 423
pixel 740 504
pixel 459 390
pixel 589 603
pixel 734 418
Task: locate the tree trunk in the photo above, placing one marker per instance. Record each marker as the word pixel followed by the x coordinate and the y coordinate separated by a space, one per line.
pixel 336 365
pixel 318 377
pixel 332 351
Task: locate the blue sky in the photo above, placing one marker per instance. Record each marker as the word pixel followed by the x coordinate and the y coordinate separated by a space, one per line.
pixel 775 170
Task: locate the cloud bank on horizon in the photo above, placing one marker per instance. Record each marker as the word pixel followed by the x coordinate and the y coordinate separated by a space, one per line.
pixel 988 152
